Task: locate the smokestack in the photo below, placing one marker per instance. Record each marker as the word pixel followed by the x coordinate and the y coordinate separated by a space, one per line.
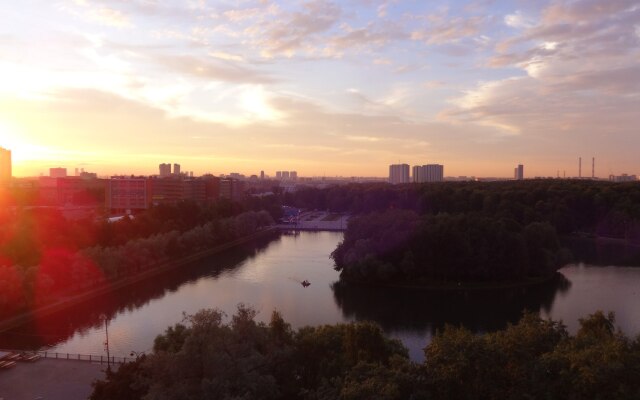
pixel 579 167
pixel 593 168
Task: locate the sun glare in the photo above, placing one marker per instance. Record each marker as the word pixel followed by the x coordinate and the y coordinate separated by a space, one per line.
pixel 14 139
pixel 9 137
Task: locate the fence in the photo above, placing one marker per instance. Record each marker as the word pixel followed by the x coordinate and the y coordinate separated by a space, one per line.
pixel 77 357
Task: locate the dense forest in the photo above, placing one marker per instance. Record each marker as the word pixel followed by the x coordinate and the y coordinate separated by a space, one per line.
pixel 209 356
pixel 600 208
pixel 44 257
pixel 472 231
pixel 402 246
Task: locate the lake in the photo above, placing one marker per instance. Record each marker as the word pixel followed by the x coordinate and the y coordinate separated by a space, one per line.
pixel 268 274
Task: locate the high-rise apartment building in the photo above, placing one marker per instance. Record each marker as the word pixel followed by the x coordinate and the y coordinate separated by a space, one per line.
pixel 285 175
pixel 434 172
pixel 293 175
pixel 278 175
pixel 399 173
pixel 5 165
pixel 417 174
pixel 176 169
pixel 518 172
pixel 428 173
pixel 57 172
pixel 165 170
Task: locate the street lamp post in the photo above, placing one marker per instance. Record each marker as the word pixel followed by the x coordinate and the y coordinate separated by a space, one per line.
pixel 138 354
pixel 104 318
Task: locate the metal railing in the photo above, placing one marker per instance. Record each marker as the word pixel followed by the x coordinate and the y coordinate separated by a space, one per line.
pixel 76 357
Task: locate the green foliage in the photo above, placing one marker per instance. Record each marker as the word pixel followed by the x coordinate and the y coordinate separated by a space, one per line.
pixel 245 359
pixel 602 208
pixel 401 246
pixel 64 270
pixel 125 383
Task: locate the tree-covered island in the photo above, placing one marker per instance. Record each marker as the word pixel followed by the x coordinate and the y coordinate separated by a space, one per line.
pixel 401 246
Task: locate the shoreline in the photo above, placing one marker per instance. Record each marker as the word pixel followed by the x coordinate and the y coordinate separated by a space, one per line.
pixel 59 305
pixel 460 286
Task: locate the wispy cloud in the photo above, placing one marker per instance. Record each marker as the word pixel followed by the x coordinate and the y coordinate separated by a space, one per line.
pixel 322 81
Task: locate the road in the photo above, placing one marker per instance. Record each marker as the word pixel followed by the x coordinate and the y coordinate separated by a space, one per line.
pixel 50 379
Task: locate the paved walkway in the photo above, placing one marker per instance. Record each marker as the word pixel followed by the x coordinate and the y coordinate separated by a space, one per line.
pixel 49 379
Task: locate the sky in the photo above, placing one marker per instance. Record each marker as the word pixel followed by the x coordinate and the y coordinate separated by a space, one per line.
pixel 322 87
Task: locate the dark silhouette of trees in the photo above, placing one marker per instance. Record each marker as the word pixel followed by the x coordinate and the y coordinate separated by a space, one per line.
pixel 600 208
pixel 401 246
pixel 207 357
pixel 64 268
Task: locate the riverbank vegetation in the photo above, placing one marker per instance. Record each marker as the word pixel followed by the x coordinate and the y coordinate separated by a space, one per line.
pixel 470 232
pixel 208 356
pixel 44 258
pixel 402 246
pixel 591 207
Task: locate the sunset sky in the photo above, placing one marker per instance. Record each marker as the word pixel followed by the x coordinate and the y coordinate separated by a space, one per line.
pixel 325 88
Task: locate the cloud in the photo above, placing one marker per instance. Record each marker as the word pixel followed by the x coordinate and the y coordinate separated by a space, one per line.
pixel 442 29
pixel 564 11
pixel 374 35
pixel 212 69
pixel 581 78
pixel 289 32
pixel 101 13
pixel 518 20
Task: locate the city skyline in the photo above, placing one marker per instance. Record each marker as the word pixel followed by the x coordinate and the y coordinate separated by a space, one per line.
pixel 326 88
pixel 165 170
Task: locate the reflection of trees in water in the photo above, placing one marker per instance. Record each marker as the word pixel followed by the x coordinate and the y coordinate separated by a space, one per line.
pixel 59 327
pixel 421 310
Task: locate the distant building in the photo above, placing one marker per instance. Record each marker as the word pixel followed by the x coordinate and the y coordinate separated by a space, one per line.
pixel 5 166
pixel 231 189
pixel 70 191
pixel 434 172
pixel 166 190
pixel 278 175
pixel 195 190
pixel 211 188
pixel 428 173
pixel 623 178
pixel 165 170
pixel 88 175
pixel 176 169
pixel 518 172
pixel 57 172
pixel 261 174
pixel 285 175
pixel 418 174
pixel 293 175
pixel 128 194
pixel 399 173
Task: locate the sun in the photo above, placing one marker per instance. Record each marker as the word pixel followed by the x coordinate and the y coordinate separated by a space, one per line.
pixel 9 137
pixel 14 138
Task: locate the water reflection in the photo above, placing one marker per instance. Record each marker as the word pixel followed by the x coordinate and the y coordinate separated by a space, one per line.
pixel 267 275
pixel 59 327
pixel 421 312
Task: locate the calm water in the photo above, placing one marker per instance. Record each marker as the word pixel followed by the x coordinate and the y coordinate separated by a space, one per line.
pixel 267 276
